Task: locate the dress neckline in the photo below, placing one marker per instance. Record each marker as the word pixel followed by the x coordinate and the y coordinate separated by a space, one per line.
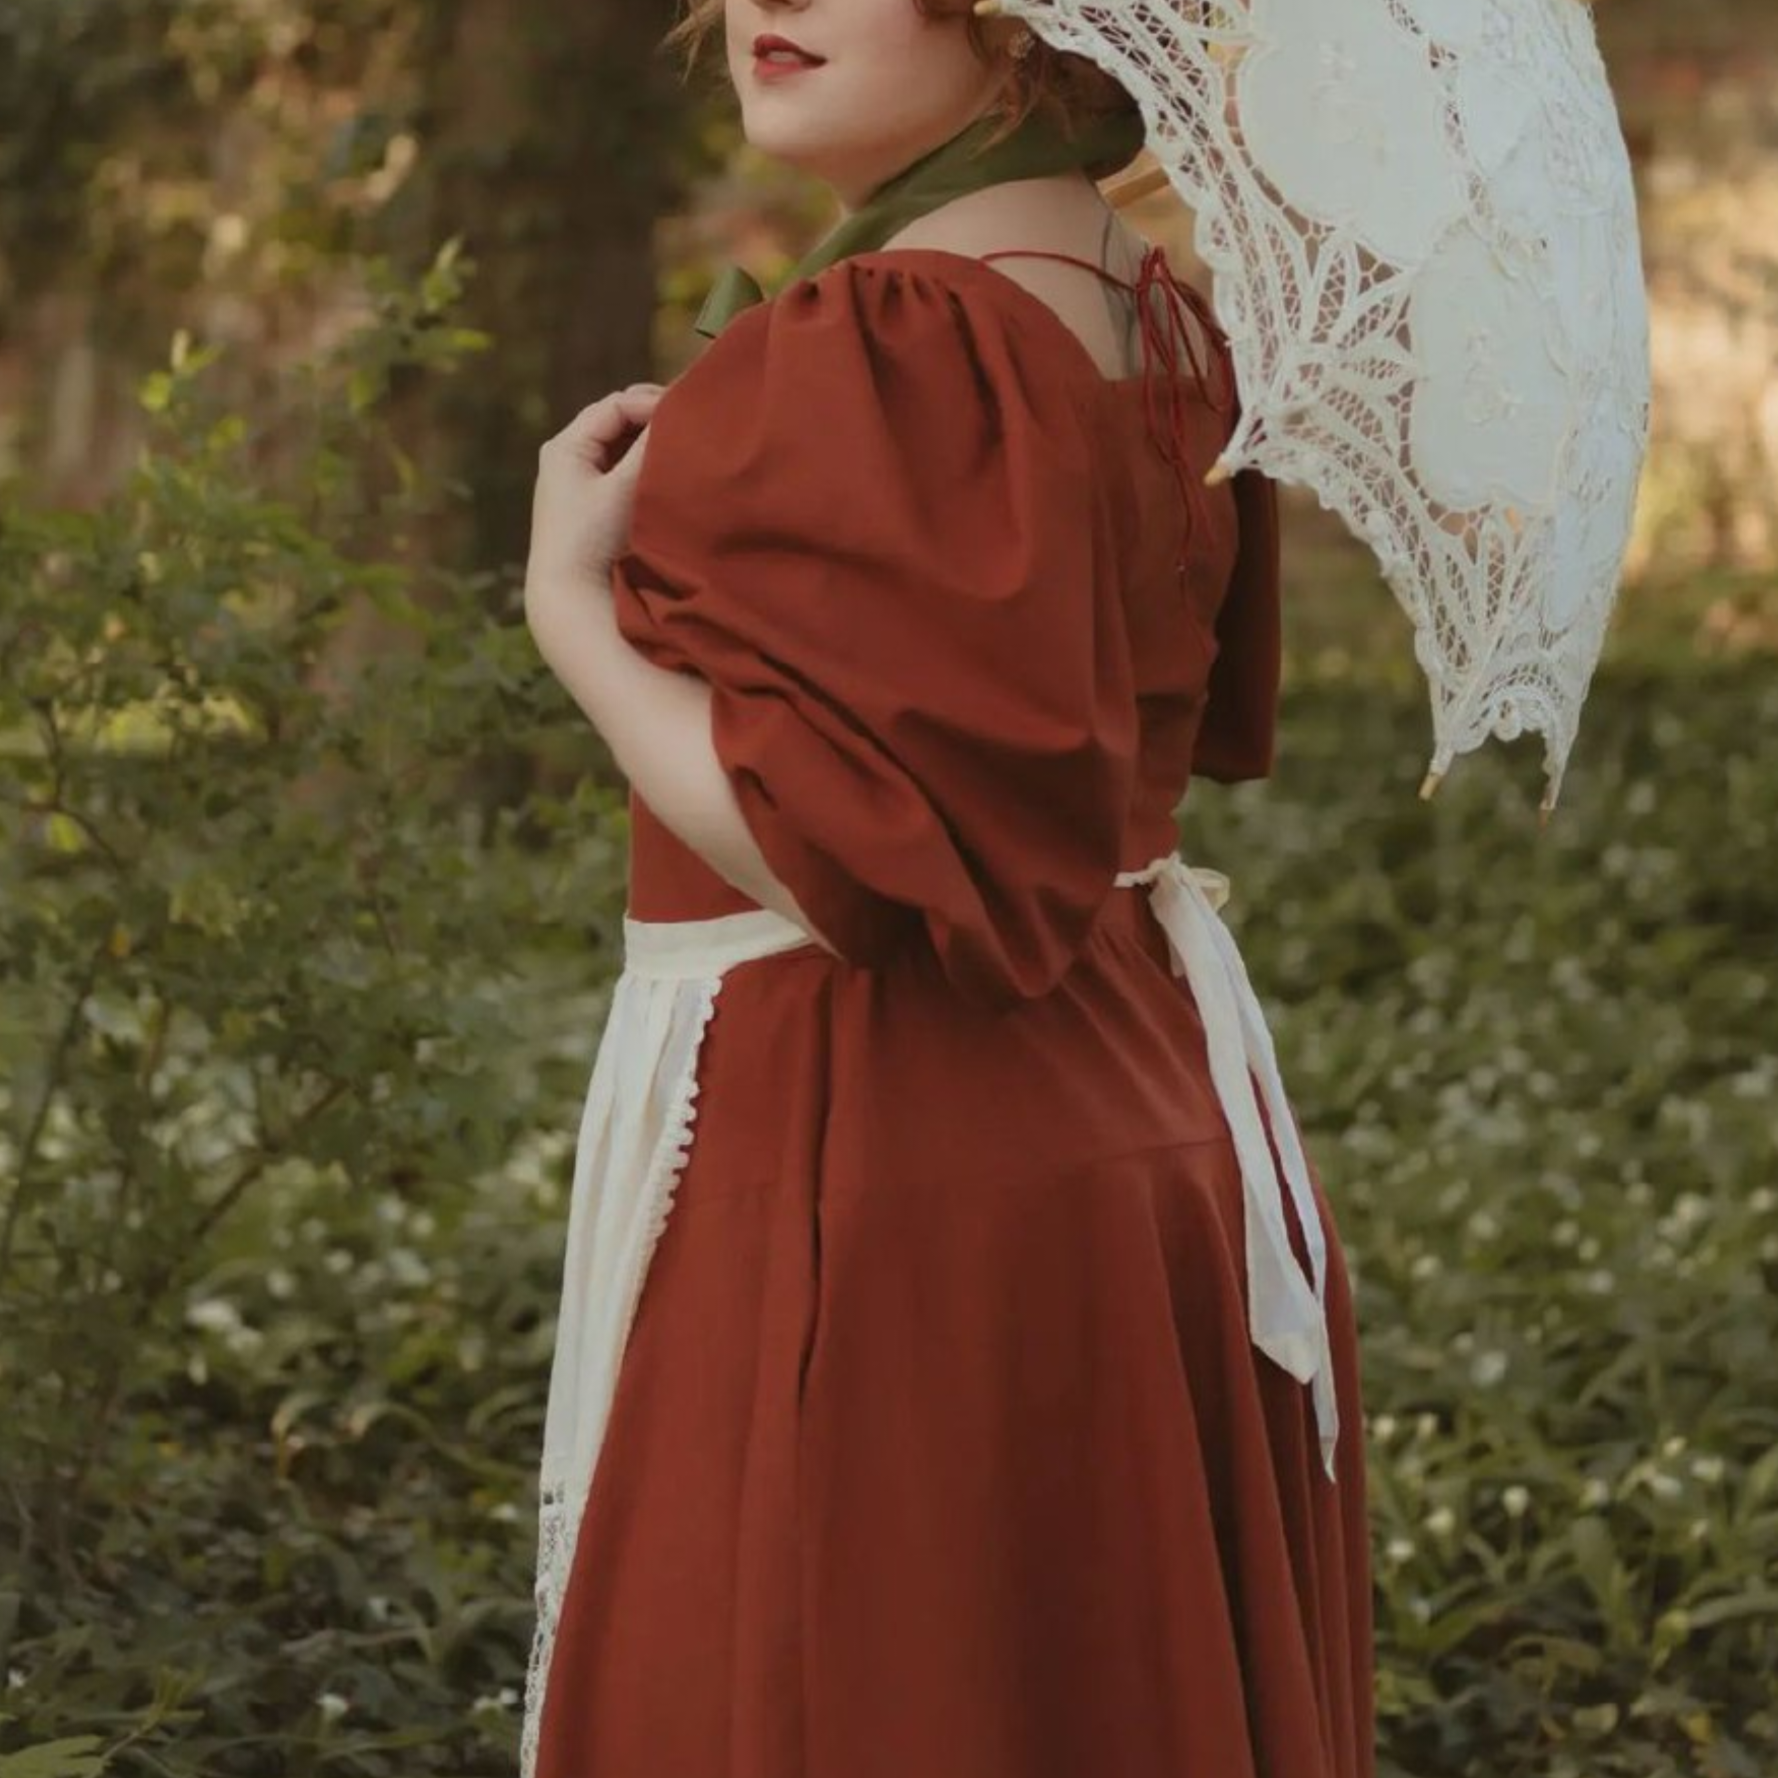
pixel 1171 403
pixel 1019 296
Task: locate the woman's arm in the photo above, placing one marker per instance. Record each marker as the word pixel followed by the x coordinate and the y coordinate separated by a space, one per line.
pixel 656 722
pixel 657 725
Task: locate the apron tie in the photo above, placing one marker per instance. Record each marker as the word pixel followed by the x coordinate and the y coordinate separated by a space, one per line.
pixel 1287 1319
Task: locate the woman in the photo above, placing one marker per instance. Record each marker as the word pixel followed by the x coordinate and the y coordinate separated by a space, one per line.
pixel 992 1406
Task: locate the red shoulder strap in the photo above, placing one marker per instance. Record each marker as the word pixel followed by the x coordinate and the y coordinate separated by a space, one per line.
pixel 1238 730
pixel 1171 349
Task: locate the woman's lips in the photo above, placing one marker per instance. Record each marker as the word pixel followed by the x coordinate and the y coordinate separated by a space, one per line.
pixel 780 64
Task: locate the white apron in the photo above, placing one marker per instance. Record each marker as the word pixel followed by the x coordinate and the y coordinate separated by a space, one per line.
pixel 636 1134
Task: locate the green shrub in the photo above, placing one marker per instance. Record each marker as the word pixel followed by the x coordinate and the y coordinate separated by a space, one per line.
pixel 1538 1071
pixel 282 1072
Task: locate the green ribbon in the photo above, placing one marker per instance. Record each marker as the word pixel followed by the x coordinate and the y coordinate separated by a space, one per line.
pixel 1037 147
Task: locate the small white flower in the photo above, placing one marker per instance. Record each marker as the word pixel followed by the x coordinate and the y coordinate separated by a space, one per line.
pixel 1398 1549
pixel 1515 1499
pixel 332 1706
pixel 1595 1493
pixel 1425 1425
pixel 1673 1446
pixel 213 1314
pixel 1441 1521
pixel 1488 1369
pixel 1707 1469
pixel 1663 1486
pixel 406 1267
pixel 1689 1209
pixel 1384 1428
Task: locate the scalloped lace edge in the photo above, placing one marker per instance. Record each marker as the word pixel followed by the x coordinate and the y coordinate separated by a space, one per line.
pixel 562 1501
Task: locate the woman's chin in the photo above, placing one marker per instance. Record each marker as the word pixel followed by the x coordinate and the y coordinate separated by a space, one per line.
pixel 778 131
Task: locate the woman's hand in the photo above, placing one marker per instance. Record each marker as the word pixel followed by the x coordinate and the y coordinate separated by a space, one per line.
pixel 585 490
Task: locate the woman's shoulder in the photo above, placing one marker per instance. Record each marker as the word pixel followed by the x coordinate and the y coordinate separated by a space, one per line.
pixel 917 333
pixel 1027 304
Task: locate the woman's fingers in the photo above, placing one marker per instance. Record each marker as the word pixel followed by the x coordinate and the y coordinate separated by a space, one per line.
pixel 600 425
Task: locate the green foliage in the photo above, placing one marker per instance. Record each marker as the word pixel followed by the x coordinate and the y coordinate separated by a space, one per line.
pixel 280 1093
pixel 134 128
pixel 1537 1071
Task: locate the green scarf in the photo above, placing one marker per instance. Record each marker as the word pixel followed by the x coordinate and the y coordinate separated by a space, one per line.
pixel 1038 146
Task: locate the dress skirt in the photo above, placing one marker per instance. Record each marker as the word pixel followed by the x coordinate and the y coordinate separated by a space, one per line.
pixel 955 1433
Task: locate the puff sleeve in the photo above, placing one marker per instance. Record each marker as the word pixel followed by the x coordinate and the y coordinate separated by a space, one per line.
pixel 878 534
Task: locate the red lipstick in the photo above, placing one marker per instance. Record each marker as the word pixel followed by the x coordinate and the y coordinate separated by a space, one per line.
pixel 775 57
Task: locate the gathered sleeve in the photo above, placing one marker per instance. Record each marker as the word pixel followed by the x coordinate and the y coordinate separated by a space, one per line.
pixel 879 536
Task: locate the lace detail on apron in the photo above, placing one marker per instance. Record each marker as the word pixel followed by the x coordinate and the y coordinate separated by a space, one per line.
pixel 636 1135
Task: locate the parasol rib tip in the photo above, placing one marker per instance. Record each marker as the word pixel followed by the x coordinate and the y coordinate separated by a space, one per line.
pixel 985 9
pixel 1220 471
pixel 1429 784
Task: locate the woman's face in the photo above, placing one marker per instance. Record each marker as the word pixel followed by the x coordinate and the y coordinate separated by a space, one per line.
pixel 891 85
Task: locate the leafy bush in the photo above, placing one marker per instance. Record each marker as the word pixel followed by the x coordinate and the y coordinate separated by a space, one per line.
pixel 281 1065
pixel 1538 1071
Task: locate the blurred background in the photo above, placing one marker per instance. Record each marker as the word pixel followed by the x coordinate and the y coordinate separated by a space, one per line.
pixel 311 879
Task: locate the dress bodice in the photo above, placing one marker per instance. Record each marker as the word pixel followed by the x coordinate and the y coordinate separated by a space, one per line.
pixel 966 654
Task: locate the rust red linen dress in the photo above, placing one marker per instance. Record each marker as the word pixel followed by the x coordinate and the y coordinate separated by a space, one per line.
pixel 939 1447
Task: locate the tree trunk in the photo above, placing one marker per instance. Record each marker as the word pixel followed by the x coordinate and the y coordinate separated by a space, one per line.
pixel 549 136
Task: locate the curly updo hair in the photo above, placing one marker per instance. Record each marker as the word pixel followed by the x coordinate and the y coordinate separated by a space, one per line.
pixel 1073 89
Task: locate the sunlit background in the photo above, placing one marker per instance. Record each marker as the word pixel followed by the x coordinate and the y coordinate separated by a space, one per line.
pixel 310 882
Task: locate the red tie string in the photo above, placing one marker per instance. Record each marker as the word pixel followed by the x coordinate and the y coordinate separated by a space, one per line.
pixel 1171 345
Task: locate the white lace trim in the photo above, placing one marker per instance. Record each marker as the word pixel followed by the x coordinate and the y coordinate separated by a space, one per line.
pixel 1421 223
pixel 571 1458
pixel 636 1134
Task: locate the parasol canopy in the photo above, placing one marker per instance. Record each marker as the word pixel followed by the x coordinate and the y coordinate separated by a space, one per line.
pixel 1421 227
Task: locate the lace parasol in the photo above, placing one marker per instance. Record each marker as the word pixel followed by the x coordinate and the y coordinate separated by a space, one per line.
pixel 1421 226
